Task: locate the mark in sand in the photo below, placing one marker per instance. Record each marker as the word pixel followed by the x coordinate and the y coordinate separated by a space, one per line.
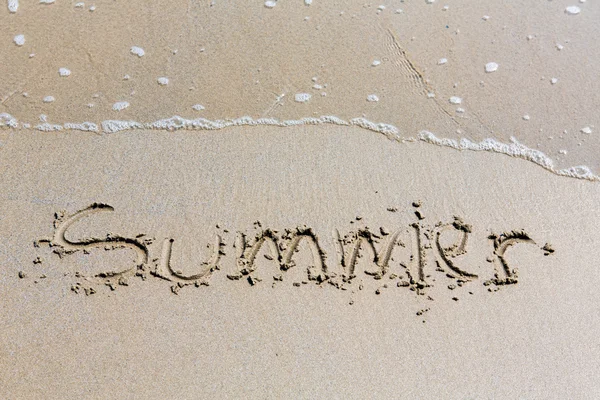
pixel 409 268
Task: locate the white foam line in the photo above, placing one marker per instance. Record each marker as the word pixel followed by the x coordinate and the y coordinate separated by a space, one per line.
pixel 13 6
pixel 111 126
pixel 47 127
pixel 82 126
pixel 513 149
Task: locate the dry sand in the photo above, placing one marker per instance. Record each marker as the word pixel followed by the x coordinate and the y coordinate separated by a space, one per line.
pixel 535 338
pixel 282 257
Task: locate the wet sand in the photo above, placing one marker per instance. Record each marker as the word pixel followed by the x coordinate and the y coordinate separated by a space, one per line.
pixel 249 60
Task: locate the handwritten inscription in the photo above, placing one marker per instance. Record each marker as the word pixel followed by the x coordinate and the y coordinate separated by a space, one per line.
pixel 441 245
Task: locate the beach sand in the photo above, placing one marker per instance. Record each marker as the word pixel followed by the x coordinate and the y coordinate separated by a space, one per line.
pixel 286 254
pixel 271 339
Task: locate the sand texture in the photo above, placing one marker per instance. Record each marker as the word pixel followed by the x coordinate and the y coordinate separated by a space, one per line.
pixel 296 199
pixel 265 330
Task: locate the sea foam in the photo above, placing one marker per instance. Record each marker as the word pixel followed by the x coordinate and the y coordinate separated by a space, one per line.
pixel 175 123
pixel 120 105
pixel 13 6
pixel 8 121
pixel 19 40
pixel 138 51
pixel 513 149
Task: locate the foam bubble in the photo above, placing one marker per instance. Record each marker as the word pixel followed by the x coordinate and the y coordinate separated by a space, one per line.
pixel 48 99
pixel 442 61
pixel 270 3
pixel 79 5
pixel 19 40
pixel 120 105
pixel 455 100
pixel 8 121
pixel 491 67
pixel 375 63
pixel 198 107
pixel 64 72
pixel 308 2
pixel 163 81
pixel 302 97
pixel 373 98
pixel 13 6
pixel 572 10
pixel 138 51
